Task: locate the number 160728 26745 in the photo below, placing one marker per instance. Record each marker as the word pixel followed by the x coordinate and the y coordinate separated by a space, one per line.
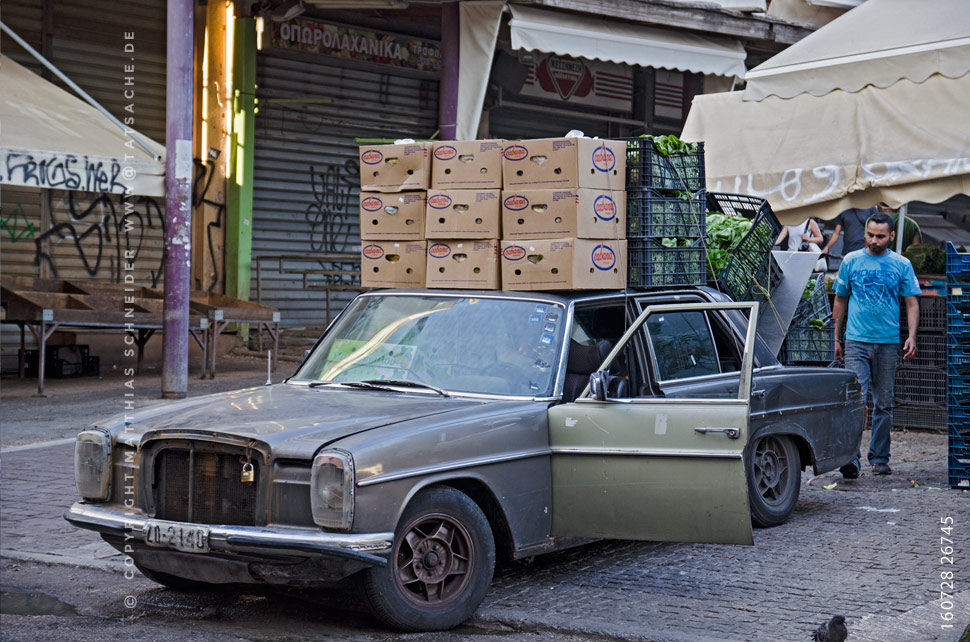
pixel 947 580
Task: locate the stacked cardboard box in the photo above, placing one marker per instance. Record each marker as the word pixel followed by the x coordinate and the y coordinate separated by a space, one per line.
pixel 463 218
pixel 431 215
pixel 393 199
pixel 563 214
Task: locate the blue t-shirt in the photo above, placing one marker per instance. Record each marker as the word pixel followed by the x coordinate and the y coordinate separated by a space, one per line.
pixel 874 284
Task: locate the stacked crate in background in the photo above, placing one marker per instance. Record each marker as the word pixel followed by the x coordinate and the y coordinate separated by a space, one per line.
pixel 665 207
pixel 920 386
pixel 752 272
pixel 958 363
pixel 810 336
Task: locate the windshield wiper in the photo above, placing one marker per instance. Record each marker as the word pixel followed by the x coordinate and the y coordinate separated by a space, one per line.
pixel 367 385
pixel 406 384
pixel 380 384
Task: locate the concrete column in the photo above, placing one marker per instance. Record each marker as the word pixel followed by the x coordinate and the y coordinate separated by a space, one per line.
pixel 178 198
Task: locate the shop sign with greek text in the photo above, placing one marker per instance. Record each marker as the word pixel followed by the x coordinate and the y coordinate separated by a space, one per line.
pixel 361 45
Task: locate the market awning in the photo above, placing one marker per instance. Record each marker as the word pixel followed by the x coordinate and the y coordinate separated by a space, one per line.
pixel 53 139
pixel 817 156
pixel 598 39
pixel 878 43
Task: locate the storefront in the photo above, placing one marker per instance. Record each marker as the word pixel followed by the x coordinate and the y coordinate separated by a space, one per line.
pixel 321 88
pixel 553 72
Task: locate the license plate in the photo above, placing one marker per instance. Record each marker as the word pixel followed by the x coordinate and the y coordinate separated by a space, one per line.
pixel 188 538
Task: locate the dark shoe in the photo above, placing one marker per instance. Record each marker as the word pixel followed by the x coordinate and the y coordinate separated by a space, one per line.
pixel 881 469
pixel 850 470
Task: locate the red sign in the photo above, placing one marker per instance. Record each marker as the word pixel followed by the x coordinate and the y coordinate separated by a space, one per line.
pixel 564 75
pixel 513 252
pixel 577 81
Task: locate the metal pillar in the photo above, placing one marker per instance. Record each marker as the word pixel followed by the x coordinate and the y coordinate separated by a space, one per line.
pixel 448 91
pixel 178 198
pixel 239 195
pixel 901 225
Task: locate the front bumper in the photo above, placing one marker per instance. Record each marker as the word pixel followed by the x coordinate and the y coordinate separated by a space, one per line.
pixel 366 548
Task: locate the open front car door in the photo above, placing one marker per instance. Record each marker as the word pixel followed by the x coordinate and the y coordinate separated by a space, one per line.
pixel 646 467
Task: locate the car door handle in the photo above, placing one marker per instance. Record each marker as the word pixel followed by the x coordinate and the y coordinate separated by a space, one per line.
pixel 732 433
pixel 758 394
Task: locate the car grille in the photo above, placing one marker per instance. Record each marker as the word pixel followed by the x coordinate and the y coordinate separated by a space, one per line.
pixel 204 487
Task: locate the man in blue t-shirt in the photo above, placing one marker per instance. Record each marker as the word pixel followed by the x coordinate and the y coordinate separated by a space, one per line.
pixel 870 282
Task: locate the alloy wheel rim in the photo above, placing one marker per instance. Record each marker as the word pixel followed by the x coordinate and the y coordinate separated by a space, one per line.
pixel 771 470
pixel 434 560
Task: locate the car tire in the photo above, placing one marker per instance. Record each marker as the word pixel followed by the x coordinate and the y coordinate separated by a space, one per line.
pixel 174 581
pixel 442 588
pixel 774 479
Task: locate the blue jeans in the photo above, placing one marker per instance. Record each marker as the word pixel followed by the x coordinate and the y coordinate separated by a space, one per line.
pixel 876 363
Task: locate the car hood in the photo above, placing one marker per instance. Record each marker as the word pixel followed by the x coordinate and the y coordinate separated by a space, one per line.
pixel 290 419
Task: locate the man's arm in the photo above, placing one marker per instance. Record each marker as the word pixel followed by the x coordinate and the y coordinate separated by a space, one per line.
pixel 912 320
pixel 838 314
pixel 833 238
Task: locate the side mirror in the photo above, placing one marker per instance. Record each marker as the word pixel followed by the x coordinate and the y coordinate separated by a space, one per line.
pixel 599 385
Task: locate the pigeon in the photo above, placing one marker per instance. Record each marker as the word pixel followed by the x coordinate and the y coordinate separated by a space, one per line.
pixel 832 631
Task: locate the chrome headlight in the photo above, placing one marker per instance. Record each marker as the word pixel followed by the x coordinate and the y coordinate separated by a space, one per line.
pixel 92 464
pixel 332 490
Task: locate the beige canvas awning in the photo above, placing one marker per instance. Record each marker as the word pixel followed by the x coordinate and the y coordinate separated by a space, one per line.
pixel 878 43
pixel 52 139
pixel 817 156
pixel 620 42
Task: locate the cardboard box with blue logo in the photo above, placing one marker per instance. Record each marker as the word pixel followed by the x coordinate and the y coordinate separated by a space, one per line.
pixel 563 213
pixel 562 163
pixel 563 264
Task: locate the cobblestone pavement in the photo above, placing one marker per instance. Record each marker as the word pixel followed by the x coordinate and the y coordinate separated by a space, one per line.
pixel 868 549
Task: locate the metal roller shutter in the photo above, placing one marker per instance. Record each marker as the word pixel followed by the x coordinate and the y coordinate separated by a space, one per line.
pixel 306 177
pixel 89 46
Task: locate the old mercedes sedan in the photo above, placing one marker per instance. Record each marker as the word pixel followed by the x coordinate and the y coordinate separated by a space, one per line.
pixel 430 431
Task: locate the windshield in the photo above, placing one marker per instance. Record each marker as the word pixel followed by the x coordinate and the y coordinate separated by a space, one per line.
pixel 459 344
